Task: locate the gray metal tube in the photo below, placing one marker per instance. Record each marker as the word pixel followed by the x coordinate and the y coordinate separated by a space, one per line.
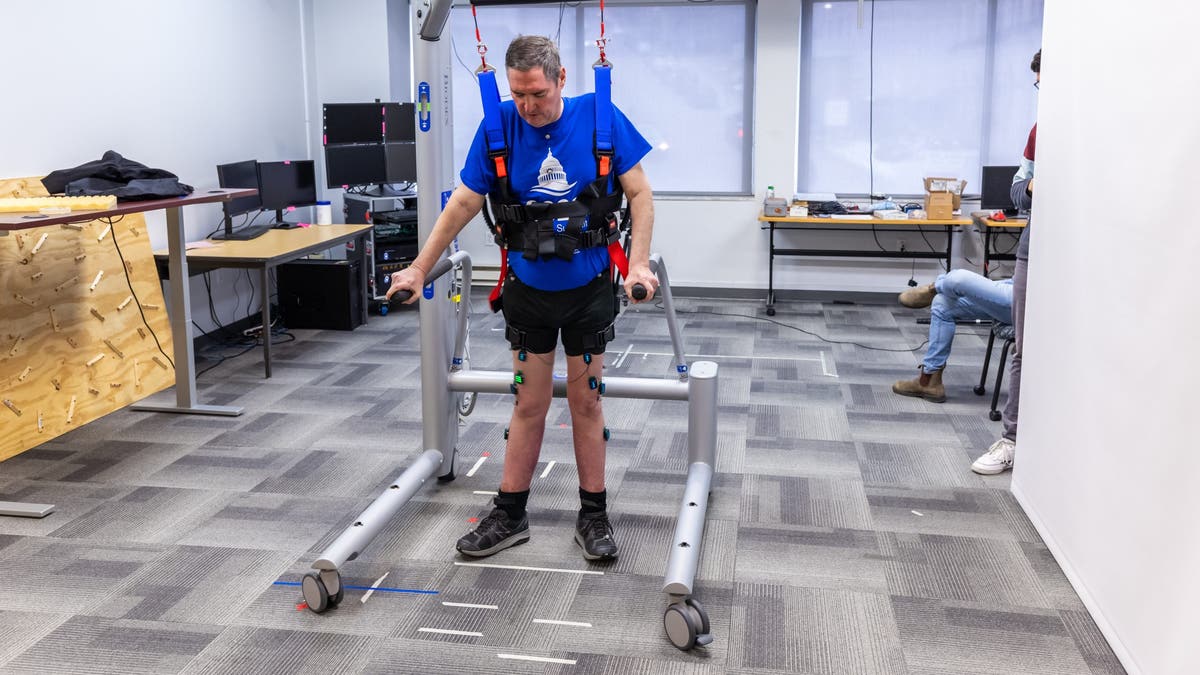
pixel 431 69
pixel 689 531
pixel 664 287
pixel 497 382
pixel 355 538
pixel 462 259
pixel 181 306
pixel 702 458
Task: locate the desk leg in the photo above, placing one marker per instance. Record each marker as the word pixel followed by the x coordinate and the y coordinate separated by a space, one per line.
pixel 265 282
pixel 364 275
pixel 949 247
pixel 181 319
pixel 987 248
pixel 771 274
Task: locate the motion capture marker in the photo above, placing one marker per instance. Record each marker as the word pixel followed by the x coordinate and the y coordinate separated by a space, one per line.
pixel 607 434
pixel 475 468
pixel 587 358
pixel 513 389
pixel 593 383
pixel 548 467
pixel 519 377
pixel 601 388
pixel 521 355
pixel 506 433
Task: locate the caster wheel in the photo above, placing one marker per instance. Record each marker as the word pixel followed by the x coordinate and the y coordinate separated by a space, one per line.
pixel 994 415
pixel 979 391
pixel 770 311
pixel 383 309
pixel 316 596
pixel 681 625
pixel 332 579
pixel 700 615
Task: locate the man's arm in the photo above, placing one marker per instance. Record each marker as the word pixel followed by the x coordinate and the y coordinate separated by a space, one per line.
pixel 641 208
pixel 463 205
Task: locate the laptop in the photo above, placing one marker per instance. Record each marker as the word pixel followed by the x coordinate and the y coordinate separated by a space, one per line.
pixel 996 193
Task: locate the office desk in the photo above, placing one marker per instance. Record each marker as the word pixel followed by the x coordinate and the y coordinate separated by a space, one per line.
pixel 815 224
pixel 991 228
pixel 274 248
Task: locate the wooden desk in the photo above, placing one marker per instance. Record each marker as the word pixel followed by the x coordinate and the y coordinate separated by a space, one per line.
pixel 274 248
pixel 993 227
pixel 814 224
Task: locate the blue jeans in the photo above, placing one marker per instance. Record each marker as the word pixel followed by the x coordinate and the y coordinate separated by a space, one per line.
pixel 963 296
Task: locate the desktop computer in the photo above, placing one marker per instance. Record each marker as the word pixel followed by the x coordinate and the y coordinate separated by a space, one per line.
pixel 323 294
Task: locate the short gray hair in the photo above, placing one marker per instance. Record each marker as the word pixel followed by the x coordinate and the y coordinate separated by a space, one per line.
pixel 527 52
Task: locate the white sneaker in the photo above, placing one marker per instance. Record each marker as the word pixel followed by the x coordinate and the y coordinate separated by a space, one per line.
pixel 998 458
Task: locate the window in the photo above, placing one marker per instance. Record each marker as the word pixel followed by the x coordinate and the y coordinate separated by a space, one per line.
pixel 681 74
pixel 922 88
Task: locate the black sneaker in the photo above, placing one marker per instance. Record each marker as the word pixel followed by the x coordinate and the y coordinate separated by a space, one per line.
pixel 494 533
pixel 594 534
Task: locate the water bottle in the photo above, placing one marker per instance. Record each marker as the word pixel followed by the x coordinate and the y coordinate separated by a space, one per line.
pixel 770 192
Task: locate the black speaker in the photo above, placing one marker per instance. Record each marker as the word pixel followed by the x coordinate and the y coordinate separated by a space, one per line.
pixel 324 294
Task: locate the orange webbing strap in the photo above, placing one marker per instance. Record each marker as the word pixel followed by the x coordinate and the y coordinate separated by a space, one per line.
pixel 501 169
pixel 494 296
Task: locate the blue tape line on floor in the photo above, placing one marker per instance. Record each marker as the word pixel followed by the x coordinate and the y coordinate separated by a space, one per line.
pixel 381 589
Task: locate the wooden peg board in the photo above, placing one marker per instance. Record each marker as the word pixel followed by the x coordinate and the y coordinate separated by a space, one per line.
pixel 70 348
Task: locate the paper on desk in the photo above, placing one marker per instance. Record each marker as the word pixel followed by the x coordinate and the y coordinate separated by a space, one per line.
pixel 202 243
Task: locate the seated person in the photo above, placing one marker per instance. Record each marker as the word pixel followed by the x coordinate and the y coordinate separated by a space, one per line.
pixel 960 295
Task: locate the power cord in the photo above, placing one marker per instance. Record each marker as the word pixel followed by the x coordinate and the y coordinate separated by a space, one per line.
pixel 129 282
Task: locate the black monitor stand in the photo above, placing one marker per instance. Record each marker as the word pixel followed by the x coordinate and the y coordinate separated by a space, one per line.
pixel 245 233
pixel 280 223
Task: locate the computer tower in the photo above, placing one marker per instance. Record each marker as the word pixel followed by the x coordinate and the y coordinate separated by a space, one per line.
pixel 355 207
pixel 325 294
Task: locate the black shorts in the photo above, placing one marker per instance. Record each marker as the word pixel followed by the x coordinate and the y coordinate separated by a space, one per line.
pixel 584 315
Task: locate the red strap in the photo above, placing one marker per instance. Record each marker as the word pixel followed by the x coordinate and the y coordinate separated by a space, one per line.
pixel 617 255
pixel 494 296
pixel 501 170
pixel 604 165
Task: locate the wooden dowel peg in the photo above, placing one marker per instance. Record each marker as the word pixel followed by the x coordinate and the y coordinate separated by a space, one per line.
pixel 114 385
pixel 73 226
pixel 24 300
pixel 66 283
pixel 94 360
pixel 57 385
pixel 99 276
pixel 93 391
pixel 104 233
pixel 24 374
pixel 160 363
pixel 145 306
pixel 13 407
pixel 141 332
pixel 124 302
pixel 71 341
pixel 54 320
pixel 97 314
pixel 13 351
pixel 114 348
pixel 36 275
pixel 71 411
pixel 40 425
pixel 38 246
pixel 80 257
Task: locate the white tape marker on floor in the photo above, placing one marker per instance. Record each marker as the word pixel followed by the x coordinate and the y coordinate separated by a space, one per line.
pixel 531 569
pixel 443 631
pixel 469 605
pixel 483 492
pixel 825 367
pixel 475 468
pixel 548 467
pixel 578 624
pixel 539 659
pixel 373 587
pixel 624 355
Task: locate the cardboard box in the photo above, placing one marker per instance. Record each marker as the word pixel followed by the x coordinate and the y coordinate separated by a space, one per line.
pixel 943 196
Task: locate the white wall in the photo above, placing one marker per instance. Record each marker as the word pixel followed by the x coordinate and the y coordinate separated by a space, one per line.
pixel 1107 459
pixel 174 85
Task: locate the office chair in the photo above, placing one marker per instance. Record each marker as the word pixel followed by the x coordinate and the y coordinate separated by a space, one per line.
pixel 1005 332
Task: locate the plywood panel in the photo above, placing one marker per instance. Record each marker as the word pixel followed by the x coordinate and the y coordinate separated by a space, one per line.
pixel 83 325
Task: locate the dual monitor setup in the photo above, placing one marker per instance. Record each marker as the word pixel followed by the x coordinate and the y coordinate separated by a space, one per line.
pixel 281 186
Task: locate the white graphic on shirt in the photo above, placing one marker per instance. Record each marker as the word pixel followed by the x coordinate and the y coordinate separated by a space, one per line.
pixel 552 179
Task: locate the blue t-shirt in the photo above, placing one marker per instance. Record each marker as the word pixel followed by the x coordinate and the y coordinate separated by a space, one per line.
pixel 554 163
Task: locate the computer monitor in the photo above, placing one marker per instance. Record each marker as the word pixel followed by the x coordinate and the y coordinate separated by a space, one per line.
pixel 240 175
pixel 353 123
pixel 287 184
pixel 355 164
pixel 401 160
pixel 399 122
pixel 996 192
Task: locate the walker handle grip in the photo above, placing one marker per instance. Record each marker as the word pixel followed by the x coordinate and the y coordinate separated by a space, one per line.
pixel 639 292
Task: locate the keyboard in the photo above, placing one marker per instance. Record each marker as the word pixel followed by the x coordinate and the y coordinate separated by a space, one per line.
pixel 56 205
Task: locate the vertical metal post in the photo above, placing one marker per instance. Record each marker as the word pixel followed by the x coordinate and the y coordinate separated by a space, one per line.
pixel 684 556
pixel 431 61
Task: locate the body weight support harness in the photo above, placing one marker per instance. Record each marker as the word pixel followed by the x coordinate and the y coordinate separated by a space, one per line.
pixel 530 228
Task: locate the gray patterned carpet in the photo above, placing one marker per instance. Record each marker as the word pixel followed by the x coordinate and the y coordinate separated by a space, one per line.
pixel 846 532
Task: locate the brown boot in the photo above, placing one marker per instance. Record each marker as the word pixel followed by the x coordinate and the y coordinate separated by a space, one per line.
pixel 927 386
pixel 918 296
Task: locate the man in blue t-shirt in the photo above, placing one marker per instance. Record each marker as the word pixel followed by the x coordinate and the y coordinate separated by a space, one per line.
pixel 551 159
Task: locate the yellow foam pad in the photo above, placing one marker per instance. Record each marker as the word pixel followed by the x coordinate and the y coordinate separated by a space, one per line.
pixel 36 204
